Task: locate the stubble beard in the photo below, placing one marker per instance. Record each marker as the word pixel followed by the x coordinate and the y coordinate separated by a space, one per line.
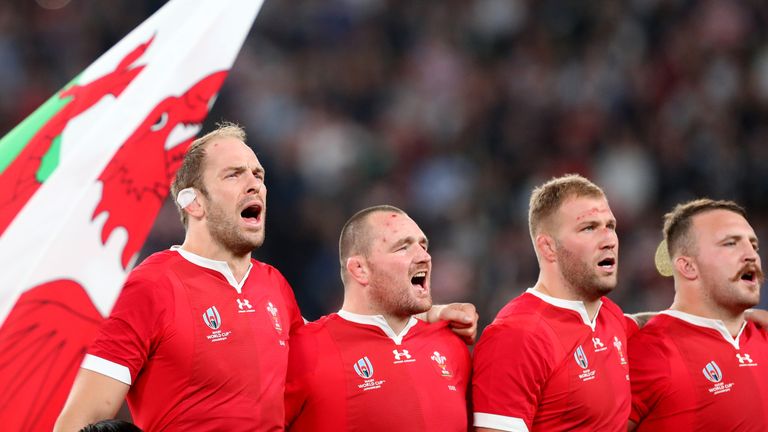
pixel 393 299
pixel 581 276
pixel 227 233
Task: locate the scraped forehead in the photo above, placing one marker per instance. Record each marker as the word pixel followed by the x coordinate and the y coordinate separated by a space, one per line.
pixel 390 227
pixel 586 208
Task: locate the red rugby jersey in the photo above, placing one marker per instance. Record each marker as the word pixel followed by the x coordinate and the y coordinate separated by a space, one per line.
pixel 200 351
pixel 543 366
pixel 350 372
pixel 689 374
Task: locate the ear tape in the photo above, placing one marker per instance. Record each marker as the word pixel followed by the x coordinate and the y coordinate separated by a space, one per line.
pixel 185 197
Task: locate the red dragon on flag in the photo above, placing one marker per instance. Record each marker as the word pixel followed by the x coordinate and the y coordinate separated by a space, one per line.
pixel 133 112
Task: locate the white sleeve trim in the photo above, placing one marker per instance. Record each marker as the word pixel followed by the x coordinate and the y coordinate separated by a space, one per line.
pixel 106 367
pixel 494 421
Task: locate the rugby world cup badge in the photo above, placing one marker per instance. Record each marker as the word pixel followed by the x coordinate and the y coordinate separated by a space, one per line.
pixel 212 318
pixel 714 375
pixel 364 369
pixel 712 372
pixel 581 358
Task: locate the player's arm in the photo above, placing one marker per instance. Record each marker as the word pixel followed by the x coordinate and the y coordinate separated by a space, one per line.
pixel 512 364
pixel 462 318
pixel 631 426
pixel 641 317
pixel 757 316
pixel 93 397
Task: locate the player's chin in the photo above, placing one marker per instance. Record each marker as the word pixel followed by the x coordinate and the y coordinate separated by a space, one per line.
pixel 605 287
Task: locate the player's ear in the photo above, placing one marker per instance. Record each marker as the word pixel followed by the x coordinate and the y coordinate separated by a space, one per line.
pixel 357 269
pixel 686 267
pixel 546 247
pixel 195 209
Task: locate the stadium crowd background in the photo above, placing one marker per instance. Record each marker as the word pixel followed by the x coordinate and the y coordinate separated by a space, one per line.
pixel 453 110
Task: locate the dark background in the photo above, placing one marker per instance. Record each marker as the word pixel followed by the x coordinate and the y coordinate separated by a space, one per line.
pixel 453 110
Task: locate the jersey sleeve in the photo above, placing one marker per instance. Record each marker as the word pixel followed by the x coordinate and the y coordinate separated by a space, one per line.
pixel 126 338
pixel 511 367
pixel 649 375
pixel 302 363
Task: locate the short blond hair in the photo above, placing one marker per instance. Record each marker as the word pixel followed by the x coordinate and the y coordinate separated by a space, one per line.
pixel 190 174
pixel 547 198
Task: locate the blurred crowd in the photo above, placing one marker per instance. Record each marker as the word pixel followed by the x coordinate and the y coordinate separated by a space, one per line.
pixel 453 110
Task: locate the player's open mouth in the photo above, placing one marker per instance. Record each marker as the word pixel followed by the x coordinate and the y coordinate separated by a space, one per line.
pixel 251 214
pixel 608 263
pixel 419 280
pixel 749 276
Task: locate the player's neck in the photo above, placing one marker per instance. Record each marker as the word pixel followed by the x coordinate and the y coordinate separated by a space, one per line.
pixel 362 306
pixel 206 248
pixel 557 289
pixel 733 320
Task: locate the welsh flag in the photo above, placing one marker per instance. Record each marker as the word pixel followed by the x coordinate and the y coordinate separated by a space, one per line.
pixel 81 182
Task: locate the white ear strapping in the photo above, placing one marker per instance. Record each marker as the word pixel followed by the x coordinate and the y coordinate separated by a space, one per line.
pixel 185 197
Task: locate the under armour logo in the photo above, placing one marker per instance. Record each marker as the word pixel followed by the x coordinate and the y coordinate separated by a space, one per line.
pixel 243 304
pixel 398 354
pixel 744 358
pixel 596 342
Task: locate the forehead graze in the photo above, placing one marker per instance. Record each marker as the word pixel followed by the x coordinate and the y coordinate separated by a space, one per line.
pixel 595 211
pixel 393 224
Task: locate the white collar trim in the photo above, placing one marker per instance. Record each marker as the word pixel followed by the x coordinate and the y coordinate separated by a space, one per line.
pixel 219 266
pixel 714 324
pixel 380 322
pixel 574 305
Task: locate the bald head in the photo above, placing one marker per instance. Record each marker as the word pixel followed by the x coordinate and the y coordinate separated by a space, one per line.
pixel 356 234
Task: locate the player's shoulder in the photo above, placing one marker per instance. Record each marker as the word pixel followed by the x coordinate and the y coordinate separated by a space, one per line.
pixel 524 320
pixel 155 266
pixel 439 330
pixel 313 328
pixel 264 270
pixel 659 335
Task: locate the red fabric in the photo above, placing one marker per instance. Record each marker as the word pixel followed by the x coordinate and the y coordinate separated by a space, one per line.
pixel 670 391
pixel 325 393
pixel 525 368
pixel 186 375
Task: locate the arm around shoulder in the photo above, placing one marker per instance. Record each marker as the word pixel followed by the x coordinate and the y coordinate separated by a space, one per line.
pixel 93 397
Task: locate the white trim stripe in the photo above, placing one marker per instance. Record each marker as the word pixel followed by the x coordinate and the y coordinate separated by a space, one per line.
pixel 380 322
pixel 107 368
pixel 574 305
pixel 714 324
pixel 504 423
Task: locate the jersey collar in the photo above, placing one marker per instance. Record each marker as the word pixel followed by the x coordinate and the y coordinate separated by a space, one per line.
pixel 380 322
pixel 714 324
pixel 574 305
pixel 218 266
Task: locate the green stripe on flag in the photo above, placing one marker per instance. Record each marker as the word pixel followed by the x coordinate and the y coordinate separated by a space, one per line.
pixel 14 142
